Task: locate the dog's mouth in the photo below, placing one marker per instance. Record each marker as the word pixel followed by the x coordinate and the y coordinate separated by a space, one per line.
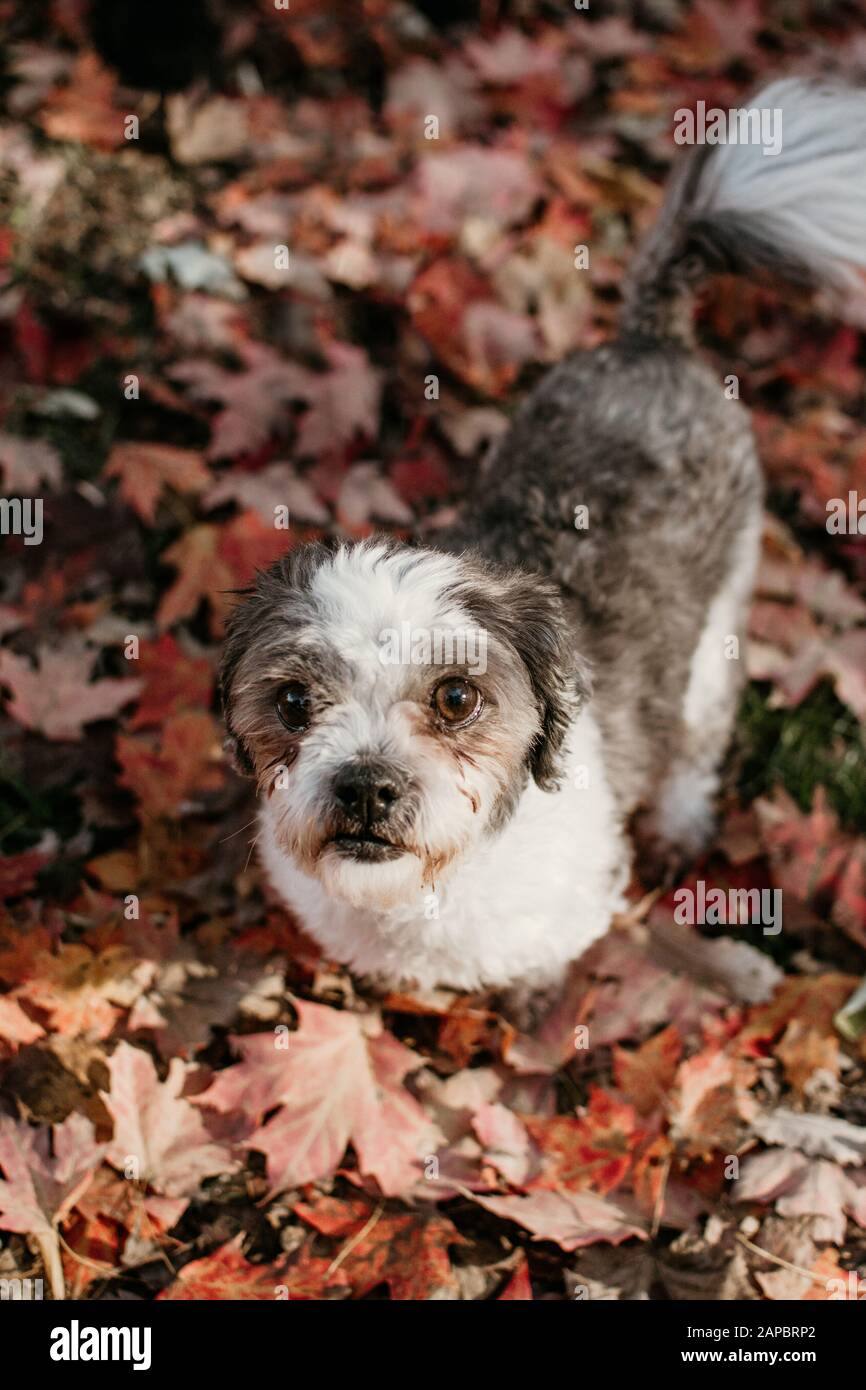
pixel 365 846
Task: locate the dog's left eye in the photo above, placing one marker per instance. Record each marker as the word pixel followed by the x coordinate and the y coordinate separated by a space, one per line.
pixel 457 701
pixel 293 706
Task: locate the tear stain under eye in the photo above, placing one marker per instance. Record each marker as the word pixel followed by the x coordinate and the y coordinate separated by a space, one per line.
pixel 461 758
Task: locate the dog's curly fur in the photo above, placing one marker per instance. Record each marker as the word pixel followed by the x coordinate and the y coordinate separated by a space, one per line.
pixel 616 650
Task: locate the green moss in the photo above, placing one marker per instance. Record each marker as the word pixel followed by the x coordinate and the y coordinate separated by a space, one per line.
pixel 26 814
pixel 819 743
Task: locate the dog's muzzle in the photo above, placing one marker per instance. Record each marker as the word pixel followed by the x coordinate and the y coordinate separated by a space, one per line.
pixel 369 796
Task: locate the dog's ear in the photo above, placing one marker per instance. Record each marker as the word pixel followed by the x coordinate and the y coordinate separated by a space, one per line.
pixel 259 623
pixel 526 613
pixel 560 680
pixel 234 646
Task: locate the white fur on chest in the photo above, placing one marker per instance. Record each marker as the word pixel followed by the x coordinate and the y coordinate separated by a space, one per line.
pixel 525 903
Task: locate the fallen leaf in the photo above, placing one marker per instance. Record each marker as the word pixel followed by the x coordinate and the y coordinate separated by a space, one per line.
pixel 712 1105
pixel 201 574
pixel 646 1076
pixel 83 109
pixel 805 1052
pixel 505 1141
pixel 263 492
pixel 746 974
pixel 184 762
pixel 594 1149
pixel 80 990
pixel 571 1219
pixel 226 1273
pixel 335 1083
pixel 16 1027
pixel 57 698
pixel 27 464
pixel 171 681
pixel 145 470
pixel 160 1138
pixel 823 1136
pixel 407 1251
pixel 519 1287
pixel 45 1172
pixel 18 872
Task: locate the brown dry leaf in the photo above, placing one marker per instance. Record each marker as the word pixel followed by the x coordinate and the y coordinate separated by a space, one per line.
pixel 84 109
pixel 814 1188
pixel 813 1000
pixel 708 1265
pixel 407 1251
pixel 200 574
pixel 805 1051
pixel 594 1149
pixel 45 1173
pixel 215 129
pixel 16 1027
pixel 226 1273
pixel 81 990
pixel 824 1136
pixel 647 1075
pixel 745 973
pixel 171 681
pixel 712 1106
pixel 145 470
pixel 214 561
pixel 183 762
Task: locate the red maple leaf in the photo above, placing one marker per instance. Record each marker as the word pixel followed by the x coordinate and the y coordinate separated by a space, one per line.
pixel 407 1250
pixel 594 1150
pixel 172 681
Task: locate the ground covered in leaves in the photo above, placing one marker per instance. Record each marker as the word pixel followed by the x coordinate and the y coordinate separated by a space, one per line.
pixel 230 312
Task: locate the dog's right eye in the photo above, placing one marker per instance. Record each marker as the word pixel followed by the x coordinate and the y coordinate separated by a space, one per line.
pixel 457 701
pixel 293 706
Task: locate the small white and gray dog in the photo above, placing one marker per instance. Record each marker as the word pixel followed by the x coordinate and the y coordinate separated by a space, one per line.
pixel 452 806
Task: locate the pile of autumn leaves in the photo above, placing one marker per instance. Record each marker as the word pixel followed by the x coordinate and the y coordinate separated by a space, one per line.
pixel 195 1104
pixel 710 1081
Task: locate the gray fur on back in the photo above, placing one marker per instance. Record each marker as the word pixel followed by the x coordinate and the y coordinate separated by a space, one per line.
pixel 641 434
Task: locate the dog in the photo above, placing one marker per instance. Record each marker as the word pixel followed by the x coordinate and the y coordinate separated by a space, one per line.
pixel 453 743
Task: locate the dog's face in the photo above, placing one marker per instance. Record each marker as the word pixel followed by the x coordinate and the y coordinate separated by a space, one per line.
pixel 392 704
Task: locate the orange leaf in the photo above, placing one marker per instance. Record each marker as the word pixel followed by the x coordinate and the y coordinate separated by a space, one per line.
pixel 145 470
pixel 185 760
pixel 646 1076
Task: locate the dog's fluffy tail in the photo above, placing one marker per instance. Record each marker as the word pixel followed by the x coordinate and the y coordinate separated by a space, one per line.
pixel 799 214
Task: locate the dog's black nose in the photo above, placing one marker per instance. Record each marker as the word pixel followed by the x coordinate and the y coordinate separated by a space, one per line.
pixel 367 790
